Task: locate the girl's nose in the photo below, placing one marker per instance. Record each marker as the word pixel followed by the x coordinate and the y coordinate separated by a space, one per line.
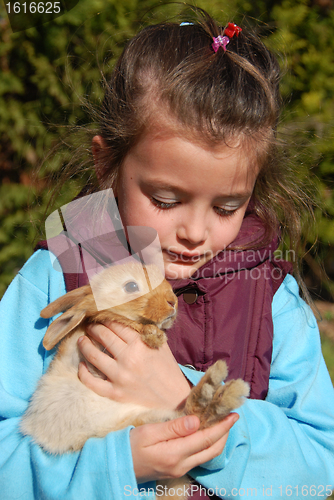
pixel 193 230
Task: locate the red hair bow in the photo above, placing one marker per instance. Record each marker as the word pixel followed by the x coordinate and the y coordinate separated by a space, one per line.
pixel 231 30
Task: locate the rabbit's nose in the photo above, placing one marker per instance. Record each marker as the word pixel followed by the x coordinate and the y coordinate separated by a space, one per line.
pixel 172 303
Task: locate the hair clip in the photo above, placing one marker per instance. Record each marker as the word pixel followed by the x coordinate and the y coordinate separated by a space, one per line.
pixel 221 41
pixel 231 30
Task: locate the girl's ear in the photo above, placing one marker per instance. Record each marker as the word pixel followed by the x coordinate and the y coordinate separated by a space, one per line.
pixel 100 153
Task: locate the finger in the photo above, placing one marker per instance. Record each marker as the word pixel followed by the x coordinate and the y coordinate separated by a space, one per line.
pixel 166 431
pixel 180 427
pixel 206 438
pixel 176 439
pixel 102 361
pixel 107 338
pixel 125 333
pixel 207 454
pixel 98 385
pixel 209 443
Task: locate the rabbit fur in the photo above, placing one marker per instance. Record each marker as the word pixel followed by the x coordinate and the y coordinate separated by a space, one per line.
pixel 63 413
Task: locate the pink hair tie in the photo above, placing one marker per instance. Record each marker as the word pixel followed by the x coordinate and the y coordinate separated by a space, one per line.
pixel 220 41
pixel 229 32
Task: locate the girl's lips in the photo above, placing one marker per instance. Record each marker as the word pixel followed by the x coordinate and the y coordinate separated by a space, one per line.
pixel 183 257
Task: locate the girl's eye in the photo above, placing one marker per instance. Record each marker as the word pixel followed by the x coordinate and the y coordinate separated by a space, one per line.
pixel 222 212
pixel 131 287
pixel 163 205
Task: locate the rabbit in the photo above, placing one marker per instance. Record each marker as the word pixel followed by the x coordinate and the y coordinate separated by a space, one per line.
pixel 63 413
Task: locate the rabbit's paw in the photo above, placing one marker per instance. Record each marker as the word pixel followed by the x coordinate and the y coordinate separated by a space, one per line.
pixel 152 336
pixel 201 395
pixel 226 399
pixel 210 400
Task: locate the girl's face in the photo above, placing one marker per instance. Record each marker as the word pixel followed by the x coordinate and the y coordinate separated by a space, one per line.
pixel 195 196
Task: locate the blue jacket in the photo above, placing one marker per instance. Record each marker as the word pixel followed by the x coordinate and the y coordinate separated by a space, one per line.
pixel 281 447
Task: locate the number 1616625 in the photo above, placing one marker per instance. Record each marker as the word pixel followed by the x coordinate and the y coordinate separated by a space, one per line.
pixel 33 7
pixel 306 491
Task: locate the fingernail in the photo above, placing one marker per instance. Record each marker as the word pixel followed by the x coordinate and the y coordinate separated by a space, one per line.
pixel 80 339
pixel 190 423
pixel 234 417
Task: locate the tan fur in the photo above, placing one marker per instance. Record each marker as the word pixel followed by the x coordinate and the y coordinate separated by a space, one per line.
pixel 63 413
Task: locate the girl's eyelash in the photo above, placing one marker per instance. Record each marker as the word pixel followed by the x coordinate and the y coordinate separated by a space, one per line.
pixel 162 204
pixel 222 212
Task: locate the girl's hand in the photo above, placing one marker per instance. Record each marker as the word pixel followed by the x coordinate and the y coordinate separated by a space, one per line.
pixel 135 373
pixel 171 449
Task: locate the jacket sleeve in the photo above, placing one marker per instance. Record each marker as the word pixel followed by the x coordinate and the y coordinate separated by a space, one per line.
pixel 284 446
pixel 103 468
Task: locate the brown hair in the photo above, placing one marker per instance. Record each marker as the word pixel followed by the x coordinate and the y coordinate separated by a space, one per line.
pixel 216 95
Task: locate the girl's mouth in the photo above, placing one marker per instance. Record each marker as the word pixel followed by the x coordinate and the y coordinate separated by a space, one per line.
pixel 183 257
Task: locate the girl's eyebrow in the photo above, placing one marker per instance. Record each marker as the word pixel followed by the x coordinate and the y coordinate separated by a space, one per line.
pixel 157 184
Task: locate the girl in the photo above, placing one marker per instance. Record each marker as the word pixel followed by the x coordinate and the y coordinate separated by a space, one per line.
pixel 187 141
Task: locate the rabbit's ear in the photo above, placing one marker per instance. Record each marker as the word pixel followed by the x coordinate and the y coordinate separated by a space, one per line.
pixel 61 326
pixel 66 301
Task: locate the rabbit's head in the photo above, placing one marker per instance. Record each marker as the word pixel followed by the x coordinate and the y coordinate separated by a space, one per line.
pixel 139 293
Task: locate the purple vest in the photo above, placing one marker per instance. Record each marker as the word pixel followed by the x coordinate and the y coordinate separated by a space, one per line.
pixel 225 310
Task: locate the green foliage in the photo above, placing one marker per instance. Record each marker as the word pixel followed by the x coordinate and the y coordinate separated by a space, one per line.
pixel 305 34
pixel 46 71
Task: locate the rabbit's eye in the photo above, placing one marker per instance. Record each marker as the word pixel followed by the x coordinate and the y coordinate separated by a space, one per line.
pixel 131 287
